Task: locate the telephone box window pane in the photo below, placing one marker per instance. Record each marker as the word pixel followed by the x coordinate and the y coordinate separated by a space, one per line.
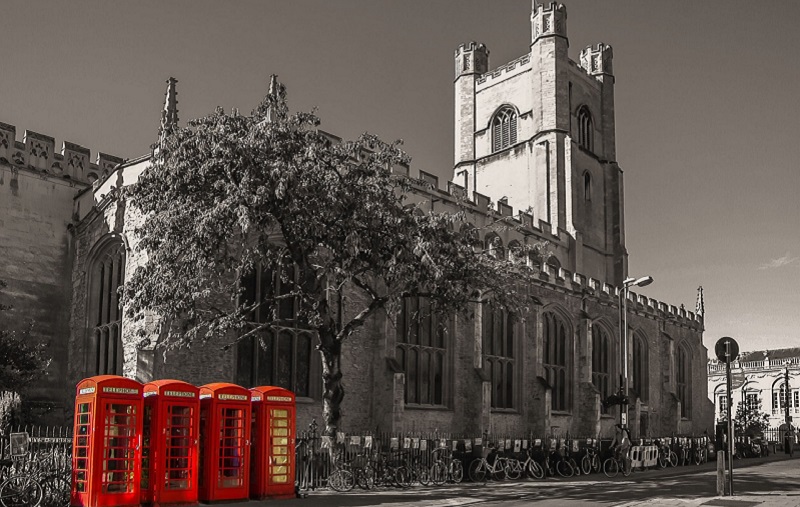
pixel 279 413
pixel 280 432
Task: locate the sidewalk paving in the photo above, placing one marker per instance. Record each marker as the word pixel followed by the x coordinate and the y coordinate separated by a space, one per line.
pixel 766 482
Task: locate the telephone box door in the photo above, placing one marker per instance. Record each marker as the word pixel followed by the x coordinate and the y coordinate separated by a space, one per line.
pixel 274 468
pixel 171 464
pixel 106 461
pixel 225 442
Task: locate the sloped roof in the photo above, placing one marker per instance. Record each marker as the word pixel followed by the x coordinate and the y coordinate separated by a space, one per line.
pixel 758 355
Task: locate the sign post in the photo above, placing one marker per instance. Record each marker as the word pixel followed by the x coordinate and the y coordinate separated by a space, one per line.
pixel 727 350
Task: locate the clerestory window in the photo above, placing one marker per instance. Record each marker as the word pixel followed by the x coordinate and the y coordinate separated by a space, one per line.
pixel 504 129
pixel 585 129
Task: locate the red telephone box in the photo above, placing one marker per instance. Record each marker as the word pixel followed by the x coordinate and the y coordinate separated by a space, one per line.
pixel 273 443
pixel 170 434
pixel 107 442
pixel 224 442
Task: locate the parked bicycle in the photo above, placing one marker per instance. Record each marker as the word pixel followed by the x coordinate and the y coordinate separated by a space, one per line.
pixel 613 465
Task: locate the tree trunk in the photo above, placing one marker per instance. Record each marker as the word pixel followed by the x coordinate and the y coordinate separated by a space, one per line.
pixel 332 389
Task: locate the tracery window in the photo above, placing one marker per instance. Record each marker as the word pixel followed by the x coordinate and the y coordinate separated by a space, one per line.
pixel 281 354
pixel 494 246
pixel 684 377
pixel 106 275
pixel 422 352
pixel 601 362
pixel 585 129
pixel 557 353
pixel 504 128
pixel 499 358
pixel 640 367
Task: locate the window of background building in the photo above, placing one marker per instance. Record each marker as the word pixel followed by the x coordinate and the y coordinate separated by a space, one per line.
pixel 722 403
pixel 498 335
pixel 422 353
pixel 601 363
pixel 557 352
pixel 107 273
pixel 282 354
pixel 504 129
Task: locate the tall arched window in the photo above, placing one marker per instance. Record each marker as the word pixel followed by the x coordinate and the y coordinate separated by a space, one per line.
pixel 504 128
pixel 106 275
pixel 640 366
pixel 585 129
pixel 721 402
pixel 422 353
pixel 557 353
pixel 499 360
pixel 281 354
pixel 778 397
pixel 684 374
pixel 602 351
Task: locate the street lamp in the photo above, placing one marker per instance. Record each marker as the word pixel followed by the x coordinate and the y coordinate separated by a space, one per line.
pixel 623 331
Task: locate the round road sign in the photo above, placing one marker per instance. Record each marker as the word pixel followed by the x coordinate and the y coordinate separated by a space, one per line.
pixel 726 349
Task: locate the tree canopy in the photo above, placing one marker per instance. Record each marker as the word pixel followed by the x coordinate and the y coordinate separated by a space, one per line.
pixel 21 360
pixel 230 194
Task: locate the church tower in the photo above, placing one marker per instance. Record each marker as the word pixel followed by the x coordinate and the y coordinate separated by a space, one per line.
pixel 539 133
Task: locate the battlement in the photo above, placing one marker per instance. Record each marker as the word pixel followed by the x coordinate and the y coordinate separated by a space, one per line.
pixel 37 152
pixel 597 60
pixel 527 224
pixel 471 58
pixel 548 20
pixel 552 6
pixel 513 67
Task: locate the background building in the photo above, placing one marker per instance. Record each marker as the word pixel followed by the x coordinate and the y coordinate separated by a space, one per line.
pixel 535 149
pixel 758 379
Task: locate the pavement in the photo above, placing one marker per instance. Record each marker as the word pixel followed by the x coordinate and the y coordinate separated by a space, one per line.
pixel 773 481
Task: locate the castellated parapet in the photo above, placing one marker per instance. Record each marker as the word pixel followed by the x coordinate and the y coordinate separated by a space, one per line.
pixel 471 58
pixel 37 152
pixel 527 225
pixel 597 60
pixel 548 20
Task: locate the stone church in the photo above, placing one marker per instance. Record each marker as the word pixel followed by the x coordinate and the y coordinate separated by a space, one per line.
pixel 534 154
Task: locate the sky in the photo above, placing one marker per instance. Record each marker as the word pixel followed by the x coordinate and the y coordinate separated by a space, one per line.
pixel 706 100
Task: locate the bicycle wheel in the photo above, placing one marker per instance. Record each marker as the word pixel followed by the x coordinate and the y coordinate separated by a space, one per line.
pixel 499 470
pixel 576 469
pixel 438 473
pixel 610 468
pixel 535 470
pixel 422 475
pixel 340 480
pixel 662 460
pixel 564 469
pixel 477 471
pixel 456 471
pixel 586 464
pixel 513 469
pixel 365 478
pixel 596 465
pixel 21 491
pixel 673 459
pixel 402 477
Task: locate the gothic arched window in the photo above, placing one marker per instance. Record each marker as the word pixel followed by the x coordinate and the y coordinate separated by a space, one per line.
pixel 504 128
pixel 499 340
pixel 281 353
pixel 587 186
pixel 106 275
pixel 494 246
pixel 422 353
pixel 684 377
pixel 585 129
pixel 556 360
pixel 640 366
pixel 602 351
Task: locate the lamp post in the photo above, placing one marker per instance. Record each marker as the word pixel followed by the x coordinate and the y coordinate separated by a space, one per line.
pixel 623 331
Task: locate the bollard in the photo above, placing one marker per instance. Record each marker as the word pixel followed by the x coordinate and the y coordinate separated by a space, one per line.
pixel 721 473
